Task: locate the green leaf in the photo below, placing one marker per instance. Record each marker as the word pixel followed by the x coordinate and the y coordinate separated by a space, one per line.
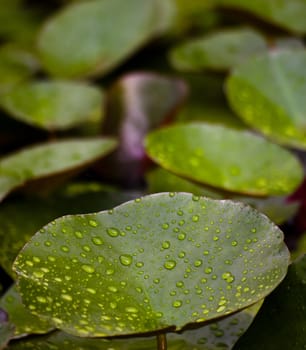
pixel 219 50
pixel 281 322
pixel 93 37
pixel 160 261
pixel 138 103
pixel 18 224
pixel 6 329
pixel 16 64
pixel 287 14
pixel 234 160
pixel 268 91
pixel 224 332
pixel 54 104
pixel 278 209
pixel 20 318
pixel 50 159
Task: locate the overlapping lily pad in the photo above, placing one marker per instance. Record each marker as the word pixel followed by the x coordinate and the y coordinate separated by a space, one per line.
pixel 287 14
pixel 93 37
pixel 234 160
pixel 218 51
pixel 20 318
pixel 281 322
pixel 49 159
pixel 54 104
pixel 160 261
pixel 6 329
pixel 268 91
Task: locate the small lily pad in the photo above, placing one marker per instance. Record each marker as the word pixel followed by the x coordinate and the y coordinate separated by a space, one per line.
pixel 160 261
pixel 281 322
pixel 20 318
pixel 217 51
pixel 49 159
pixel 93 37
pixel 234 160
pixel 267 92
pixel 53 104
pixel 287 14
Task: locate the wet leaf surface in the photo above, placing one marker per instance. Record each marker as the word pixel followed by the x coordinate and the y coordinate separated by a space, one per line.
pixel 159 261
pixel 268 91
pixel 48 159
pixel 281 322
pixel 98 40
pixel 234 160
pixel 218 51
pixel 20 318
pixel 54 104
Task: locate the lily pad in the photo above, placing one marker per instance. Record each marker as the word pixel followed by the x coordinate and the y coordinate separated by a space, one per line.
pixel 219 50
pixel 87 39
pixel 6 329
pixel 138 103
pixel 234 160
pixel 287 14
pixel 19 224
pixel 20 318
pixel 54 104
pixel 281 325
pixel 277 208
pixel 49 159
pixel 160 261
pixel 215 336
pixel 268 91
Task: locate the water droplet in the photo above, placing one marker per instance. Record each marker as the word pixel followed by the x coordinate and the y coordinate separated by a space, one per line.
pixel 112 289
pixel 93 223
pixel 126 259
pixel 181 236
pixel 78 234
pixel 110 272
pixel 180 212
pixel 38 274
pixel 195 198
pixel 228 277
pixel 181 255
pixel 113 305
pixel 208 270
pixel 91 290
pixel 41 299
pixel 97 241
pixel 156 280
pixel 139 264
pixel 65 249
pixel 165 226
pixel 131 309
pixel 234 243
pixel 180 284
pixel 113 232
pixel 198 263
pixel 221 308
pixel 166 244
pixel 48 244
pixel 88 268
pixel 66 297
pixel 29 263
pixel 170 264
pixel 177 303
pixel 86 248
pixel 195 218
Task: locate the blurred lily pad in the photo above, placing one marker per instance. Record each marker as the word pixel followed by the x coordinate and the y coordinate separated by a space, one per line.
pixel 19 224
pixel 161 261
pixel 281 322
pixel 233 160
pixel 268 91
pixel 48 159
pixel 54 104
pixel 224 332
pixel 20 318
pixel 287 14
pixel 138 103
pixel 218 50
pixel 93 37
pixel 6 329
pixel 16 64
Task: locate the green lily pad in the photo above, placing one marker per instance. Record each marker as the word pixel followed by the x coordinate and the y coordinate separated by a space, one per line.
pixel 219 50
pixel 6 329
pixel 268 91
pixel 277 208
pixel 16 64
pixel 225 332
pixel 23 321
pixel 49 159
pixel 54 104
pixel 18 224
pixel 234 160
pixel 138 103
pixel 281 325
pixel 160 261
pixel 287 14
pixel 87 39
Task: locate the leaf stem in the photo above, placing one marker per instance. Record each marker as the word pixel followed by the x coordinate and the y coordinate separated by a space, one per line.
pixel 162 341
